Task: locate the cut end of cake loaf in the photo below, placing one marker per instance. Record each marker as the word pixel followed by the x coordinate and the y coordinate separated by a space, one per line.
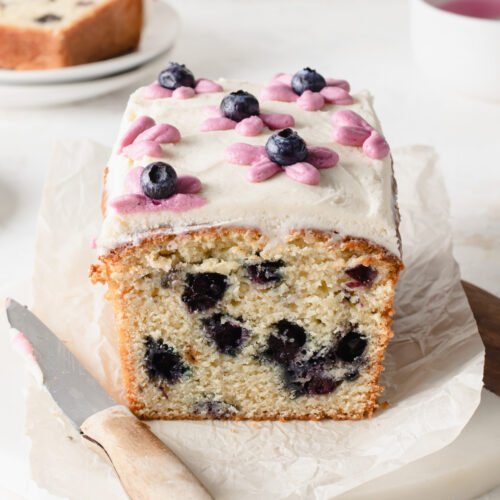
pixel 37 34
pixel 222 324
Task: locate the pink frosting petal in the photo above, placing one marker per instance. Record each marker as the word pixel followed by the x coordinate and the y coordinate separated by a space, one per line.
pixel 162 133
pixel 350 136
pixel 156 91
pixel 334 82
pixel 213 124
pixel 276 121
pixel 250 126
pixel 204 86
pixel 188 184
pixel 310 101
pixel 376 146
pixel 212 112
pixel 133 180
pixel 132 203
pixel 321 157
pixel 336 95
pixel 139 150
pixel 348 118
pixel 128 203
pixel 283 78
pixel 183 93
pixel 138 126
pixel 303 172
pixel 262 170
pixel 244 154
pixel 278 92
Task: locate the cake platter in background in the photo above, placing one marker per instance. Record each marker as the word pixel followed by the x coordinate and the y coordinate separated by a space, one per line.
pixel 84 81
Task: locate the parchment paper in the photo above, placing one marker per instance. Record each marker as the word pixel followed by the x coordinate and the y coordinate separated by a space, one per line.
pixel 433 366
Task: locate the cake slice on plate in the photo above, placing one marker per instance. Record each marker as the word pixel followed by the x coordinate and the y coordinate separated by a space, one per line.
pixel 250 247
pixel 41 34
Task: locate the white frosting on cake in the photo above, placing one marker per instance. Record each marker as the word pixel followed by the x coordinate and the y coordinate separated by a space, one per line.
pixel 353 198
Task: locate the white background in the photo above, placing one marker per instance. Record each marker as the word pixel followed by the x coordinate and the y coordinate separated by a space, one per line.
pixel 364 41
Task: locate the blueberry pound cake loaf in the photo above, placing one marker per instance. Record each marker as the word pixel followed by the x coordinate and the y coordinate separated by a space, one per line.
pixel 44 34
pixel 250 247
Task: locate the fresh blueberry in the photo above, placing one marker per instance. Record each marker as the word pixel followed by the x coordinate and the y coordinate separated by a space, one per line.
pixel 307 79
pixel 286 148
pixel 239 105
pixel 203 290
pixel 286 343
pixel 351 346
pixel 362 275
pixel 48 18
pixel 214 409
pixel 162 363
pixel 175 76
pixel 265 272
pixel 228 336
pixel 158 180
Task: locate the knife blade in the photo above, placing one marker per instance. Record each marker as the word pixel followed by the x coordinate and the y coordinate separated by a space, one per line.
pixel 146 467
pixel 73 388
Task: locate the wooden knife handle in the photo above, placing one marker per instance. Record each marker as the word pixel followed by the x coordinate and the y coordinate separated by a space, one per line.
pixel 147 469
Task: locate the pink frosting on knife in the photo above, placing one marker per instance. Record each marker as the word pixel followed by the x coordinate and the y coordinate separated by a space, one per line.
pixel 352 130
pixel 23 346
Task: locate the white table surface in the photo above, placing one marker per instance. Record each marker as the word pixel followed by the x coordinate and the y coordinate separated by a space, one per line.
pixel 366 42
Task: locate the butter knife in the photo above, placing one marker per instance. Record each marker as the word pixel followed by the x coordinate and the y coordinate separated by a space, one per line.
pixel 147 469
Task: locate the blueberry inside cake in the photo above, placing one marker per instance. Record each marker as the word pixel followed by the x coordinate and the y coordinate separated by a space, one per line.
pixel 250 247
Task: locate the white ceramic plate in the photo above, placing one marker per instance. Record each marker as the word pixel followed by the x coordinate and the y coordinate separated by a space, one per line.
pixel 24 96
pixel 159 33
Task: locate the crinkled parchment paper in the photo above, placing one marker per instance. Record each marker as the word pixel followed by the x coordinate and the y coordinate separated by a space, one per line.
pixel 433 366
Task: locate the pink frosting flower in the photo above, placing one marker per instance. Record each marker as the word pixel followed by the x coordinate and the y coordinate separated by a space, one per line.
pixel 144 136
pixel 248 127
pixel 352 130
pixel 280 89
pixel 262 168
pixel 184 198
pixel 202 86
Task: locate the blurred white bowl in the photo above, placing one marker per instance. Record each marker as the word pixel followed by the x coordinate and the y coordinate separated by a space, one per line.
pixel 457 51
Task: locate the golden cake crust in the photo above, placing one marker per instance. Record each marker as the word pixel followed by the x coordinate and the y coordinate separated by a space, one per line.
pixel 106 31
